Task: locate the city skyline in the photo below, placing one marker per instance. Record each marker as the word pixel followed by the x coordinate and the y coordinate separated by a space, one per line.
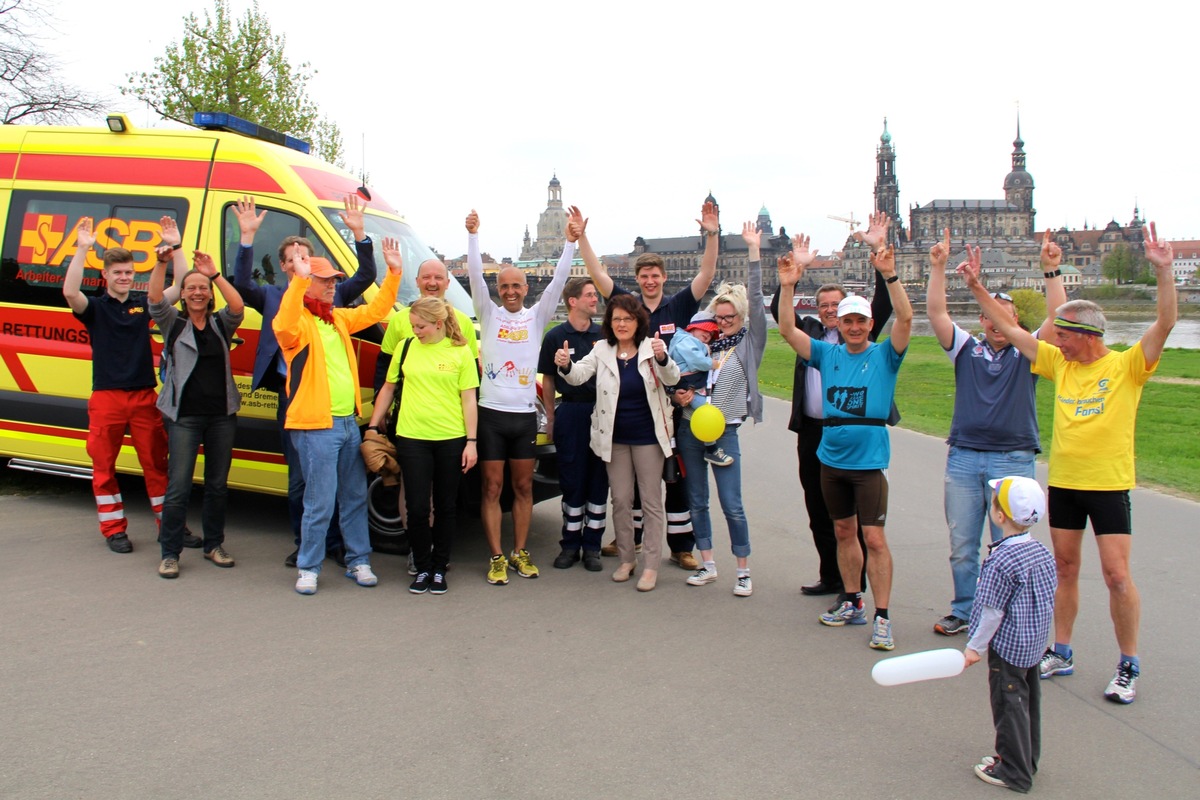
pixel 478 109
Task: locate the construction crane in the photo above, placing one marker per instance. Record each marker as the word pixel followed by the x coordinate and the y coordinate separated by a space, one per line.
pixel 850 220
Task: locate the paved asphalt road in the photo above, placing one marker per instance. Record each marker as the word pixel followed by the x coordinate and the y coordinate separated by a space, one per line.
pixel 225 683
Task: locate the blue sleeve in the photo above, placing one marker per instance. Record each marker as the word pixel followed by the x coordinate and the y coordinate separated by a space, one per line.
pixel 352 288
pixel 552 341
pixel 243 279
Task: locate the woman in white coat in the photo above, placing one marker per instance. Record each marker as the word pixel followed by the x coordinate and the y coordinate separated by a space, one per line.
pixel 631 426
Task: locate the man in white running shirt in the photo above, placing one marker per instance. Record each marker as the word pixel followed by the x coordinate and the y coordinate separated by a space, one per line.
pixel 510 338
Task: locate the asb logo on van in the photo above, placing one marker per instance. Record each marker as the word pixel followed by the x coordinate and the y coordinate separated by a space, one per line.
pixel 46 240
pixel 41 236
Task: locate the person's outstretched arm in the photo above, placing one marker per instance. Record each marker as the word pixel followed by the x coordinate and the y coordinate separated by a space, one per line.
pixel 885 264
pixel 1001 318
pixel 708 262
pixel 596 270
pixel 1162 255
pixel 1056 291
pixel 935 295
pixel 791 269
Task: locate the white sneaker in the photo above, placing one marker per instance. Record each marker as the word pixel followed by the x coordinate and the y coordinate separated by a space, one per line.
pixel 307 582
pixel 743 587
pixel 362 575
pixel 702 576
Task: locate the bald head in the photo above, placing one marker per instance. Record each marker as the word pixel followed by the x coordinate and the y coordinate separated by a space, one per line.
pixel 512 288
pixel 433 278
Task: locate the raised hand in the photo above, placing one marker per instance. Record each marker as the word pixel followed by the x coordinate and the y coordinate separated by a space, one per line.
pixel 708 218
pixel 170 231
pixel 876 234
pixel 391 255
pixel 751 234
pixel 1158 252
pixel 84 236
pixel 939 254
pixel 562 356
pixel 1051 252
pixel 248 218
pixel 203 263
pixel 801 255
pixel 473 222
pixel 789 271
pixel 576 224
pixel 971 268
pixel 885 261
pixel 352 215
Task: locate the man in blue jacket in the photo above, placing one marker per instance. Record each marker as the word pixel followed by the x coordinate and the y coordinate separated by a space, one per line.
pixel 269 366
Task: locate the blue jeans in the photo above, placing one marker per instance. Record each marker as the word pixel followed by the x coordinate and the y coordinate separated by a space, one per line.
pixel 967 499
pixel 335 479
pixel 296 484
pixel 184 438
pixel 729 488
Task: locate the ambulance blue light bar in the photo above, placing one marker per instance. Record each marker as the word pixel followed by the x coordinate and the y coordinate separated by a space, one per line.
pixel 220 121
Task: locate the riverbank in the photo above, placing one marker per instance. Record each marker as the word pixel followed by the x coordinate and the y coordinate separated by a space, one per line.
pixel 1168 448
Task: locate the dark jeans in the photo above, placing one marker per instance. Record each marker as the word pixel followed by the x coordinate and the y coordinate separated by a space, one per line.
pixel 184 439
pixel 296 484
pixel 1016 696
pixel 807 442
pixel 582 477
pixel 431 466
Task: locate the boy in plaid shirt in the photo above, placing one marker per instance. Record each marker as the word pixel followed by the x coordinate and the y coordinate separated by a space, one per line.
pixel 1010 620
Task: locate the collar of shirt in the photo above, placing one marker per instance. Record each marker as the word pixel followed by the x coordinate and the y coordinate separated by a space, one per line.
pixel 1014 539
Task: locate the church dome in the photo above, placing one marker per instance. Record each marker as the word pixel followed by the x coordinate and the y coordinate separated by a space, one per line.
pixel 554 180
pixel 1018 179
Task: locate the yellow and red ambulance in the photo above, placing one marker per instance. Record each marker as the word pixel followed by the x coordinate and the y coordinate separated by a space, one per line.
pixel 126 180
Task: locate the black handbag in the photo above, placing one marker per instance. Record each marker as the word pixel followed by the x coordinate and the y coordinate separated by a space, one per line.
pixel 673 469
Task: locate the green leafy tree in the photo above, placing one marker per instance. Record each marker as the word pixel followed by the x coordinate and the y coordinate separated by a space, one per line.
pixel 239 67
pixel 1123 265
pixel 1031 307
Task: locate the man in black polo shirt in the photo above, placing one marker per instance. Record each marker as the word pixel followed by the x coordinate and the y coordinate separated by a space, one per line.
pixel 582 476
pixel 123 382
pixel 667 314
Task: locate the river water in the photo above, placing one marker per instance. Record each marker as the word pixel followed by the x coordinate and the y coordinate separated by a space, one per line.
pixel 1122 330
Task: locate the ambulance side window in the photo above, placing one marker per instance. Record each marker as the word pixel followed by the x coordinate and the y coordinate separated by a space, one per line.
pixel 39 240
pixel 276 226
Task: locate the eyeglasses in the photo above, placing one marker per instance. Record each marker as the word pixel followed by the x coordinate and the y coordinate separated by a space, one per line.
pixel 1001 296
pixel 621 320
pixel 723 318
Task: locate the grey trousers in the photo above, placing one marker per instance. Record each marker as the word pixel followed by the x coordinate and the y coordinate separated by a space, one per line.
pixel 1016 713
pixel 641 464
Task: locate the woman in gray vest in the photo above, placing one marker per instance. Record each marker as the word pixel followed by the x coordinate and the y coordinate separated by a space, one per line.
pixel 200 400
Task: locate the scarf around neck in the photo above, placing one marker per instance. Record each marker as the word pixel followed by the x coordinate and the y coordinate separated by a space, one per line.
pixel 727 342
pixel 319 308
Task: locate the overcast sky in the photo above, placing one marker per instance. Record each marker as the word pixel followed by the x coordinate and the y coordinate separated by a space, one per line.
pixel 644 107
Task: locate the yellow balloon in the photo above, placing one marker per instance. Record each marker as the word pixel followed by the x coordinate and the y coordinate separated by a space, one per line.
pixel 708 423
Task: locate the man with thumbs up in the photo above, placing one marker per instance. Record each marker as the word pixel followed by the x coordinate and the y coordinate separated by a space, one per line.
pixel 581 474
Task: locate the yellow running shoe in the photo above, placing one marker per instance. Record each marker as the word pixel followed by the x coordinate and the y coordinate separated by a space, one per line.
pixel 519 560
pixel 498 570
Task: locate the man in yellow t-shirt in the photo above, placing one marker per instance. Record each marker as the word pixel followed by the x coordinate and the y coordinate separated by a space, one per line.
pixel 1096 395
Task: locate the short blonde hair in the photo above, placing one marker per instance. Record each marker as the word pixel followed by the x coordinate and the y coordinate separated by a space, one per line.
pixel 735 295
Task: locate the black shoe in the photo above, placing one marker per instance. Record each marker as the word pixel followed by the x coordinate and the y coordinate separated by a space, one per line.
pixel 338 556
pixel 566 559
pixel 820 587
pixel 189 539
pixel 290 561
pixel 591 561
pixel 119 543
pixel 438 584
pixel 420 584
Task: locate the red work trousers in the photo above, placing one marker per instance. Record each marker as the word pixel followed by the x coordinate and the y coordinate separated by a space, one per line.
pixel 110 413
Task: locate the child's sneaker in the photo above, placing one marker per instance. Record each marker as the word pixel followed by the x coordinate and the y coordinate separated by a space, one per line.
pixel 986 772
pixel 717 457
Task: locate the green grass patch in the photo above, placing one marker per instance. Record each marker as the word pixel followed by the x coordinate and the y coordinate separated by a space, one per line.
pixel 1168 445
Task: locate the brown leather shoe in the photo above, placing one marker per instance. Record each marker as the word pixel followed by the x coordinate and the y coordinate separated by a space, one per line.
pixel 686 561
pixel 610 549
pixel 219 557
pixel 624 572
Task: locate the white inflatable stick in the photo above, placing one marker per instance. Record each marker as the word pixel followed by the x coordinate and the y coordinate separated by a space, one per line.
pixel 924 666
